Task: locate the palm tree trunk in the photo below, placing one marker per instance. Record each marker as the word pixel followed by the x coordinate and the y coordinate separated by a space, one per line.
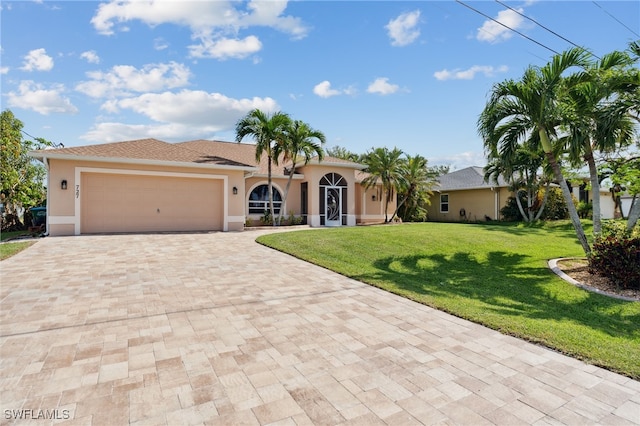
pixel 519 203
pixel 544 201
pixel 404 200
pixel 557 172
pixel 573 212
pixel 270 186
pixel 595 189
pixel 286 192
pixel 634 213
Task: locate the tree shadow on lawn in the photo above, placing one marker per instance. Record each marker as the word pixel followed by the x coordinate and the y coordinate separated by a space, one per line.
pixel 507 283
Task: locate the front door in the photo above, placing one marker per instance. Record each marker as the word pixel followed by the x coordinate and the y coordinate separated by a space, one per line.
pixel 333 205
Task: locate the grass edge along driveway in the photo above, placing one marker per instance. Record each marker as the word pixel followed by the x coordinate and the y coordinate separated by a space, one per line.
pixel 495 275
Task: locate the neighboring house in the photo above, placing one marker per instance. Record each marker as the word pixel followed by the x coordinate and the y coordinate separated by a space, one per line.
pixel 464 195
pixel 149 186
pixel 579 189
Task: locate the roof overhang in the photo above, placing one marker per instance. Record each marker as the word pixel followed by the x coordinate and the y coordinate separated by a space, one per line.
pixel 297 176
pixel 51 155
pixel 315 162
pixel 437 189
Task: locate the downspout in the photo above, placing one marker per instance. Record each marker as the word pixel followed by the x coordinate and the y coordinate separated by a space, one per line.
pixel 46 165
pixel 496 201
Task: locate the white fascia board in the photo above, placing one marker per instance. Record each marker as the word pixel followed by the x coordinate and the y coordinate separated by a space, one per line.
pixel 120 160
pixel 355 166
pixel 297 176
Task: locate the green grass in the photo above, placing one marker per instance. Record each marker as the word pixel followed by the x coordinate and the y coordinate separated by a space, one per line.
pixel 10 249
pixel 12 234
pixel 495 275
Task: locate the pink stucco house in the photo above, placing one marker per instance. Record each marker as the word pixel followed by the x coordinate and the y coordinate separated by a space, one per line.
pixel 149 185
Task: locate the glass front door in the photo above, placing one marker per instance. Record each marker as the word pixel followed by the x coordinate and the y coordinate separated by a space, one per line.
pixel 333 206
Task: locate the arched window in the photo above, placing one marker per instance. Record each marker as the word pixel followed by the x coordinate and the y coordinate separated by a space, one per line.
pixel 259 200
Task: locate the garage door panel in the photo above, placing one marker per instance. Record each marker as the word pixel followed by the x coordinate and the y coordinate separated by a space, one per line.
pixel 134 203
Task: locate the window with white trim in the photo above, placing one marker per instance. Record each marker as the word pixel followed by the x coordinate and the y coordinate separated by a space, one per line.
pixel 444 203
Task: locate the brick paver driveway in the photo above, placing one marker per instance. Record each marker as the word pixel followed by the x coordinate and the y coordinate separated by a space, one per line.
pixel 216 329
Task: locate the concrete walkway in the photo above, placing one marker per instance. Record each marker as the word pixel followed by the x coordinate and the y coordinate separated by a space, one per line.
pixel 216 329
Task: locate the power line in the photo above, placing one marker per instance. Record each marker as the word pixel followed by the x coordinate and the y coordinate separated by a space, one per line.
pixel 57 145
pixel 507 27
pixel 617 20
pixel 540 25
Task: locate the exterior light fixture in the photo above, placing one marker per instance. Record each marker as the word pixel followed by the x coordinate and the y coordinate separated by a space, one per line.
pixel 373 197
pixel 63 184
pixel 235 190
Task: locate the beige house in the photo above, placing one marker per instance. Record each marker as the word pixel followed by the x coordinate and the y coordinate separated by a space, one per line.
pixel 464 195
pixel 152 186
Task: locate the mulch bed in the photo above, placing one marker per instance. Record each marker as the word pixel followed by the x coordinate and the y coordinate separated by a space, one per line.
pixel 578 270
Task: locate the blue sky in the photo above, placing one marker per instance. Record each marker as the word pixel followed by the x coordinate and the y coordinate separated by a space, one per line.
pixel 412 74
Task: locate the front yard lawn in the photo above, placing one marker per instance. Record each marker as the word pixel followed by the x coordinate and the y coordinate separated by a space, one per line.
pixel 9 249
pixel 495 275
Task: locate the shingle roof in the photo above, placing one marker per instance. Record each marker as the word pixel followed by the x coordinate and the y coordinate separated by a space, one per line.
pixel 197 152
pixel 141 149
pixel 241 152
pixel 468 178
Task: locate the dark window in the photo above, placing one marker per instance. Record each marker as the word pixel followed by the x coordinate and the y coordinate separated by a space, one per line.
pixel 444 203
pixel 259 200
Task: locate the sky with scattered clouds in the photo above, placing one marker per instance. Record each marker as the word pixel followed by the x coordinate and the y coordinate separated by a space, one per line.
pixel 410 74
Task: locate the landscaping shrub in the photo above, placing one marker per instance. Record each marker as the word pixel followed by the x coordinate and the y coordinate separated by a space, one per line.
pixel 556 206
pixel 585 210
pixel 616 255
pixel 510 211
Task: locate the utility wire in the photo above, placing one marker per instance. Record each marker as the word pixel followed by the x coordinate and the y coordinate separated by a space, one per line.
pixel 507 27
pixel 57 145
pixel 617 20
pixel 540 25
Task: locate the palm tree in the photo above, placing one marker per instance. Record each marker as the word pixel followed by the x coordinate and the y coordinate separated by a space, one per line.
pixel 298 144
pixel 522 174
pixel 415 181
pixel 267 130
pixel 384 166
pixel 596 119
pixel 519 110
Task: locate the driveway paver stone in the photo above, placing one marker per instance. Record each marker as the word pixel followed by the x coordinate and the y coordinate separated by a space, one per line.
pixel 216 329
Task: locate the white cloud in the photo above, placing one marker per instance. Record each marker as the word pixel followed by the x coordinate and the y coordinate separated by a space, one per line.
pixel 225 48
pixel 125 79
pixel 160 43
pixel 215 24
pixel 115 132
pixel 324 90
pixel 382 86
pixel 402 29
pixel 37 60
pixel 91 56
pixel 269 14
pixel 470 73
pixel 460 161
pixel 177 115
pixel 493 32
pixel 193 107
pixel 36 97
pixel 4 70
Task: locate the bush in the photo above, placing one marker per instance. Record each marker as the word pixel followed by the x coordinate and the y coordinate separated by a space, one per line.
pixel 510 211
pixel 556 206
pixel 616 255
pixel 585 210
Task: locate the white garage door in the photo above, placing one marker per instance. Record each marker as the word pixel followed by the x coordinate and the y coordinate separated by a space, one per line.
pixel 134 203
